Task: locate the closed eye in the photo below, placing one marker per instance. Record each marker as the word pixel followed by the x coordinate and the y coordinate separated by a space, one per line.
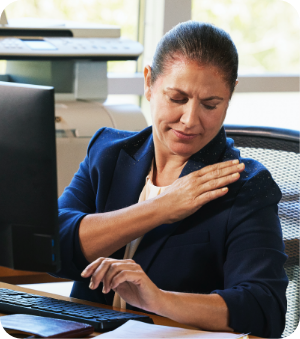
pixel 210 107
pixel 182 101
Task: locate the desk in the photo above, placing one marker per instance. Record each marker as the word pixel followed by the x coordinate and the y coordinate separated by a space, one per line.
pixel 11 276
pixel 156 319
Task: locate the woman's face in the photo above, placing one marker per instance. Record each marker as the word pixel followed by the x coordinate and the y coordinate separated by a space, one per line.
pixel 188 106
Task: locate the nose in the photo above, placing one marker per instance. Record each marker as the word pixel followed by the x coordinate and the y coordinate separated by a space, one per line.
pixel 190 117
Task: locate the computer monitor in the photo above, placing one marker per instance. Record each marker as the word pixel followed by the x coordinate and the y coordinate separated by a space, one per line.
pixel 29 237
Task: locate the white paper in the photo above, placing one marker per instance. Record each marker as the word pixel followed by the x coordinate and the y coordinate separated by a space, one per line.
pixel 137 329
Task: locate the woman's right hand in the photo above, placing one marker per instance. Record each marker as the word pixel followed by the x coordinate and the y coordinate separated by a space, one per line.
pixel 189 193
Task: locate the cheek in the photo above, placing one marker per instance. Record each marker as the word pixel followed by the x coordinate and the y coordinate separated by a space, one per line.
pixel 163 113
pixel 214 119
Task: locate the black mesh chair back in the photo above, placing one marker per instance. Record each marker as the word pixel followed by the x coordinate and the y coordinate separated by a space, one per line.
pixel 278 150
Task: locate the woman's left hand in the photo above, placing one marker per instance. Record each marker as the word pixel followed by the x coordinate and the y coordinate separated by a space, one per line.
pixel 127 278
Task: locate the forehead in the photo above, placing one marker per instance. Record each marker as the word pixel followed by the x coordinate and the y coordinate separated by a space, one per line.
pixel 191 76
pixel 180 63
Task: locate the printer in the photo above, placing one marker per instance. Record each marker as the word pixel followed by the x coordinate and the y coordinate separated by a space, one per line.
pixel 73 58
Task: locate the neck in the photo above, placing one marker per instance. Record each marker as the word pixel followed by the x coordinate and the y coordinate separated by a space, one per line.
pixel 167 168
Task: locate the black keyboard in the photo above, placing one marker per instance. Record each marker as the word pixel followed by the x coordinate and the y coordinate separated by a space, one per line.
pixel 100 318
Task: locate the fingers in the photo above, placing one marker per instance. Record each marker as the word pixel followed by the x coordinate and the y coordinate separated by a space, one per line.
pixel 115 269
pixel 211 195
pixel 100 273
pixel 219 168
pixel 213 184
pixel 104 270
pixel 218 177
pixel 218 183
pixel 215 188
pixel 126 275
pixel 89 270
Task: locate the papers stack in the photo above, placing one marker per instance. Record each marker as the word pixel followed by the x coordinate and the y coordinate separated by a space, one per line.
pixel 136 329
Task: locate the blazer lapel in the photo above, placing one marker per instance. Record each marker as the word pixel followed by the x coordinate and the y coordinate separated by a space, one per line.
pixel 129 177
pixel 127 183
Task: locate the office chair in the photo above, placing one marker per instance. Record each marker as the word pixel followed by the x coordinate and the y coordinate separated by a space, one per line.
pixel 278 150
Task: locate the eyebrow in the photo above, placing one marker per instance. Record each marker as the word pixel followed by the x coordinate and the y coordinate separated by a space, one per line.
pixel 212 98
pixel 178 90
pixel 184 93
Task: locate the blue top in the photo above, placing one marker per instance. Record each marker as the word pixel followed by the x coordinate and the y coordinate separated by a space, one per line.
pixel 231 246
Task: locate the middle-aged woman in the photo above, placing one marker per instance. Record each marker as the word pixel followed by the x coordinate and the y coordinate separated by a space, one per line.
pixel 171 220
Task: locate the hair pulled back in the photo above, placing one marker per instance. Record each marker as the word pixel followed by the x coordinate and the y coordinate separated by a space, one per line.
pixel 201 42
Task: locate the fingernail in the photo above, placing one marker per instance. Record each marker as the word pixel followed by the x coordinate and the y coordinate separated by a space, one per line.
pixel 235 175
pixel 83 272
pixel 91 285
pixel 103 290
pixel 224 189
pixel 240 166
pixel 235 162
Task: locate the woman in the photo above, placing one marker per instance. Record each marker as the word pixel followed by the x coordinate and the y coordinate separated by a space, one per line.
pixel 199 242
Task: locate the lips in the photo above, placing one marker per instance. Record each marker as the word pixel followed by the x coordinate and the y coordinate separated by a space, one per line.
pixel 184 136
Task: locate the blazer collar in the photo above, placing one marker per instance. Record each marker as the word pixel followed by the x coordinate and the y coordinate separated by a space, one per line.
pixel 140 144
pixel 129 175
pixel 208 155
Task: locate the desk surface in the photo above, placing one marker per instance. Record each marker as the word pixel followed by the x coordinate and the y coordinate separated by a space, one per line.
pixel 156 319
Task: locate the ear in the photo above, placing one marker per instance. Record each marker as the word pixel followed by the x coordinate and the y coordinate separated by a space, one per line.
pixel 236 82
pixel 147 82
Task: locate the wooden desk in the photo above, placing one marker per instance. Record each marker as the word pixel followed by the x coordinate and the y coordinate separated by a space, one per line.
pixel 156 319
pixel 11 276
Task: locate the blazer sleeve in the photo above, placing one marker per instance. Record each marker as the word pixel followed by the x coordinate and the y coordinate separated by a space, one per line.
pixel 77 200
pixel 254 278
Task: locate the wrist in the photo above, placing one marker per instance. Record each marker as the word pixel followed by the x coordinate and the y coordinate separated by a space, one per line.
pixel 160 210
pixel 161 303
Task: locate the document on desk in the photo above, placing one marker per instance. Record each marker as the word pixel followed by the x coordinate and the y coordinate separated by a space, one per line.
pixel 137 329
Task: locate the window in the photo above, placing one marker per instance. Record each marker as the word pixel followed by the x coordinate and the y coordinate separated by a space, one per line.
pixel 266 32
pixel 267 35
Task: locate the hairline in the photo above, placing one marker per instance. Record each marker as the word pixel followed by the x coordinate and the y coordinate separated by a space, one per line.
pixel 171 59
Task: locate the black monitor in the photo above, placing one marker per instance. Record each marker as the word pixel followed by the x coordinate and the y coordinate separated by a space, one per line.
pixel 28 187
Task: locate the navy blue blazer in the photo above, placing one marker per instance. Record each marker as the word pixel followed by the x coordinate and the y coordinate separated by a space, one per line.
pixel 231 246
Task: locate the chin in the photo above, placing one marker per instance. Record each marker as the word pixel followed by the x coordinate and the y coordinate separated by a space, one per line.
pixel 183 150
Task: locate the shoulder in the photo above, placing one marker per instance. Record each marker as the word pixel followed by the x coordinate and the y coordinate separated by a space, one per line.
pixel 107 135
pixel 253 211
pixel 258 185
pixel 111 138
pixel 253 168
pixel 256 180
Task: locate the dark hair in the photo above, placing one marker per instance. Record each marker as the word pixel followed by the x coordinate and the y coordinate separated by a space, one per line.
pixel 200 42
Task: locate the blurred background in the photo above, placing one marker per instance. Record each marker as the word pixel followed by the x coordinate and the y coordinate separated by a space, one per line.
pixel 266 33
